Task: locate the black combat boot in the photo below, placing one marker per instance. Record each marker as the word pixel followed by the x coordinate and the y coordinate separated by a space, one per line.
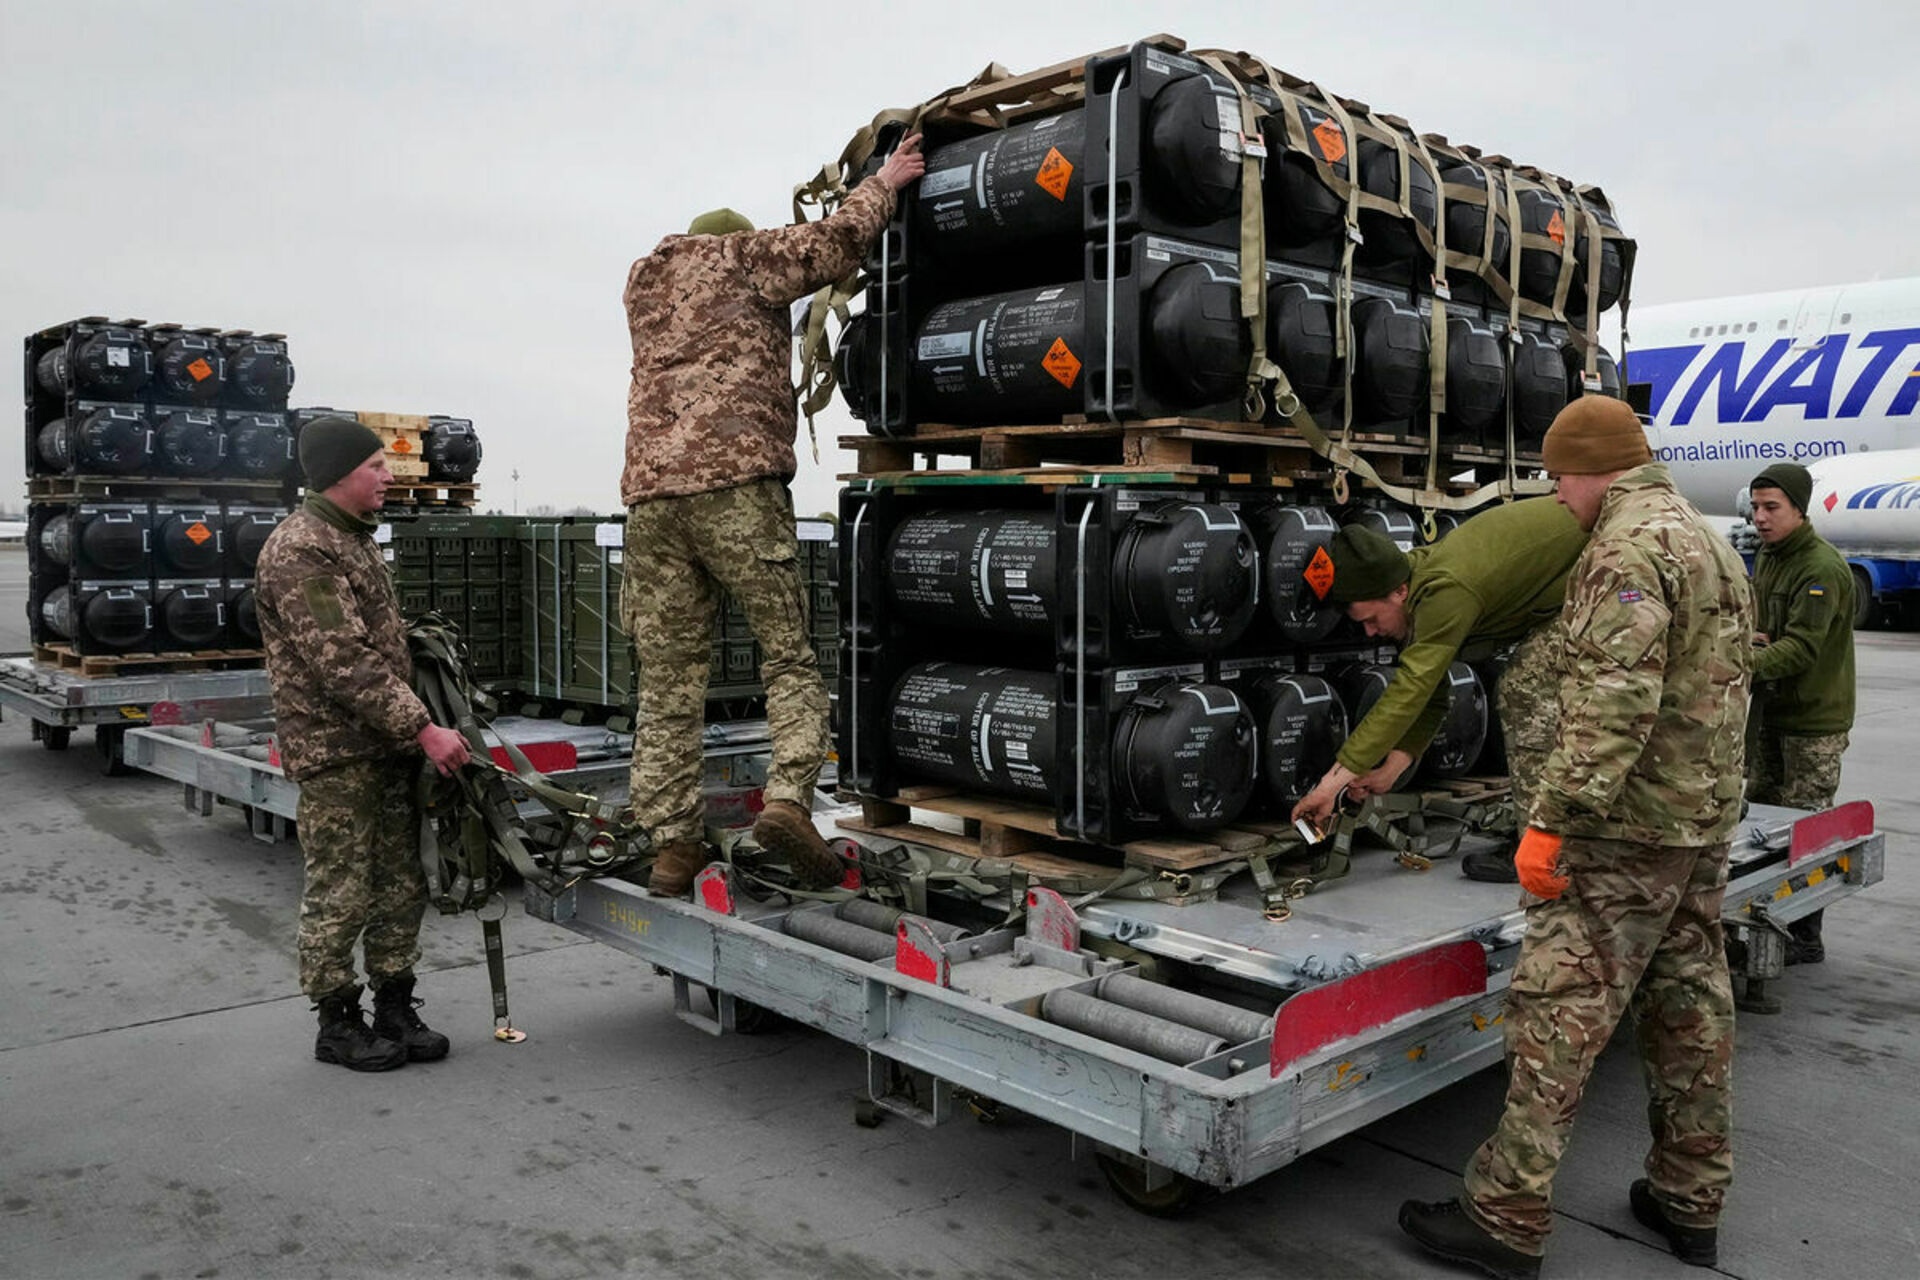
pixel 1443 1229
pixel 1804 942
pixel 345 1038
pixel 394 1018
pixel 1695 1246
pixel 1493 866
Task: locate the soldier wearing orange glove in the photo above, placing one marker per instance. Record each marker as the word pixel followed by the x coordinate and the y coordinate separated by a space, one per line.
pixel 1625 850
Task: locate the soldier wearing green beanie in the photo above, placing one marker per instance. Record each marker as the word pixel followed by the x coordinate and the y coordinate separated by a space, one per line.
pixel 1495 581
pixel 709 456
pixel 352 734
pixel 1802 672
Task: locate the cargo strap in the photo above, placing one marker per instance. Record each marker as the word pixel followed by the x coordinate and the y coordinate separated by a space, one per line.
pixel 1253 239
pixel 470 826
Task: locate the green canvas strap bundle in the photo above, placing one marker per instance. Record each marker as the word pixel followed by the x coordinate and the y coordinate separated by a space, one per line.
pixel 470 825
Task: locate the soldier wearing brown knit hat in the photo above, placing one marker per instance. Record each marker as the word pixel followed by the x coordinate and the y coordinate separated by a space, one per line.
pixel 1625 853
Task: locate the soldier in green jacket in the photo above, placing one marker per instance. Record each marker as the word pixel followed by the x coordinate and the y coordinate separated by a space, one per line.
pixel 1626 854
pixel 1803 669
pixel 1497 579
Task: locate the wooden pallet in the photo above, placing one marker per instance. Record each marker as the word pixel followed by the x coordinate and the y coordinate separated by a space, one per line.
pixel 1014 98
pixel 115 664
pixel 1182 449
pixel 407 494
pixel 145 488
pixel 994 828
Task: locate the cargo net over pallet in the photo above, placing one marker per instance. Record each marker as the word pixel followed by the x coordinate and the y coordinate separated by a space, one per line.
pixel 1151 669
pixel 1151 236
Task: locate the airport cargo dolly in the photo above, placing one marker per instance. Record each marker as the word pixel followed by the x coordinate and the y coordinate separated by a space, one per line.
pixel 1193 1046
pixel 58 701
pixel 1194 1043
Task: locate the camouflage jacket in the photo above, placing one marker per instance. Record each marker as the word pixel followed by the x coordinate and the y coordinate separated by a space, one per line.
pixel 1490 582
pixel 336 648
pixel 711 405
pixel 1653 702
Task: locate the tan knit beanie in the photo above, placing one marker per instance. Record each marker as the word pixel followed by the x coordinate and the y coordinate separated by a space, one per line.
pixel 1595 435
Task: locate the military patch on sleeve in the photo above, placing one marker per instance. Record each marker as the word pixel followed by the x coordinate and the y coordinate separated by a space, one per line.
pixel 323 602
pixel 1816 589
pixel 1631 596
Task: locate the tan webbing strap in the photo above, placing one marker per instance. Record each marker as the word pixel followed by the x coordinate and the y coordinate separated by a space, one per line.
pixel 1437 340
pixel 1253 240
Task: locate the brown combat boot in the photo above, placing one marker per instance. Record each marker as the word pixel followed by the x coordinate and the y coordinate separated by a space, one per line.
pixel 786 831
pixel 675 866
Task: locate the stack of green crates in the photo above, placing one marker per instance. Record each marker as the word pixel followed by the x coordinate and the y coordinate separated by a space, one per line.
pixel 467 569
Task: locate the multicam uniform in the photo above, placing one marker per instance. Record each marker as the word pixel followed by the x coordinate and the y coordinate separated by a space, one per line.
pixel 1644 783
pixel 1497 578
pixel 347 720
pixel 709 452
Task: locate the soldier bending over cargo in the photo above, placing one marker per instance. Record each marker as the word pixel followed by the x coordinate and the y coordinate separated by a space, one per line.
pixel 1803 670
pixel 1626 850
pixel 709 453
pixel 1499 578
pixel 351 734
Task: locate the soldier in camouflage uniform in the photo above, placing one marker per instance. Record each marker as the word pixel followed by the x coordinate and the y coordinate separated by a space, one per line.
pixel 1803 671
pixel 351 734
pixel 1635 808
pixel 709 453
pixel 1500 577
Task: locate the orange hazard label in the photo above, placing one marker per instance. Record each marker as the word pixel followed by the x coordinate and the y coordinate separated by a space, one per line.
pixel 1556 228
pixel 200 369
pixel 1333 143
pixel 1061 363
pixel 1319 572
pixel 401 444
pixel 1055 172
pixel 198 533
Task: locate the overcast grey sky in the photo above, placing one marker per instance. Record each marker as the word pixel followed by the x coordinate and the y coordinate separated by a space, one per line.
pixel 437 203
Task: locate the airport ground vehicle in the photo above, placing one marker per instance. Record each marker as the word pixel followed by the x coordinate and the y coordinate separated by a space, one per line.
pixel 1195 1042
pixel 57 702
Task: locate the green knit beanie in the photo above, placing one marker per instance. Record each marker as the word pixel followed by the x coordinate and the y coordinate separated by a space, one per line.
pixel 331 447
pixel 1791 479
pixel 718 222
pixel 1366 565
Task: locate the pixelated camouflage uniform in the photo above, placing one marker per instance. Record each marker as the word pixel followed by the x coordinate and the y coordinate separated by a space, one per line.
pixel 711 424
pixel 1527 700
pixel 347 721
pixel 1644 783
pixel 1499 577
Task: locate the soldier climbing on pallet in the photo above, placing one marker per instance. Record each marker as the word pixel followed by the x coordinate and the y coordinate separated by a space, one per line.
pixel 709 453
pixel 1499 578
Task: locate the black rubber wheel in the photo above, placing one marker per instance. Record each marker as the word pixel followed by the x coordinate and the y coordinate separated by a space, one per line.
pixel 749 1019
pixel 108 742
pixel 1130 1184
pixel 1866 610
pixel 55 737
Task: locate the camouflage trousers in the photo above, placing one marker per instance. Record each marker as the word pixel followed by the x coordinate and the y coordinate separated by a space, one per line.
pixel 1528 702
pixel 1797 770
pixel 680 554
pixel 360 834
pixel 1638 929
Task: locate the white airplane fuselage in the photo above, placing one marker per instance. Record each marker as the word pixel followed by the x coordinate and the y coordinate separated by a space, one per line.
pixel 1734 384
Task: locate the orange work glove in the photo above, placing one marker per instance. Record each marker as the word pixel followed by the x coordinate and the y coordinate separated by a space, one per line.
pixel 1537 861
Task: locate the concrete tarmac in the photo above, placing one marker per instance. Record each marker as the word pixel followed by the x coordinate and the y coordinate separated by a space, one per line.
pixel 161 1114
